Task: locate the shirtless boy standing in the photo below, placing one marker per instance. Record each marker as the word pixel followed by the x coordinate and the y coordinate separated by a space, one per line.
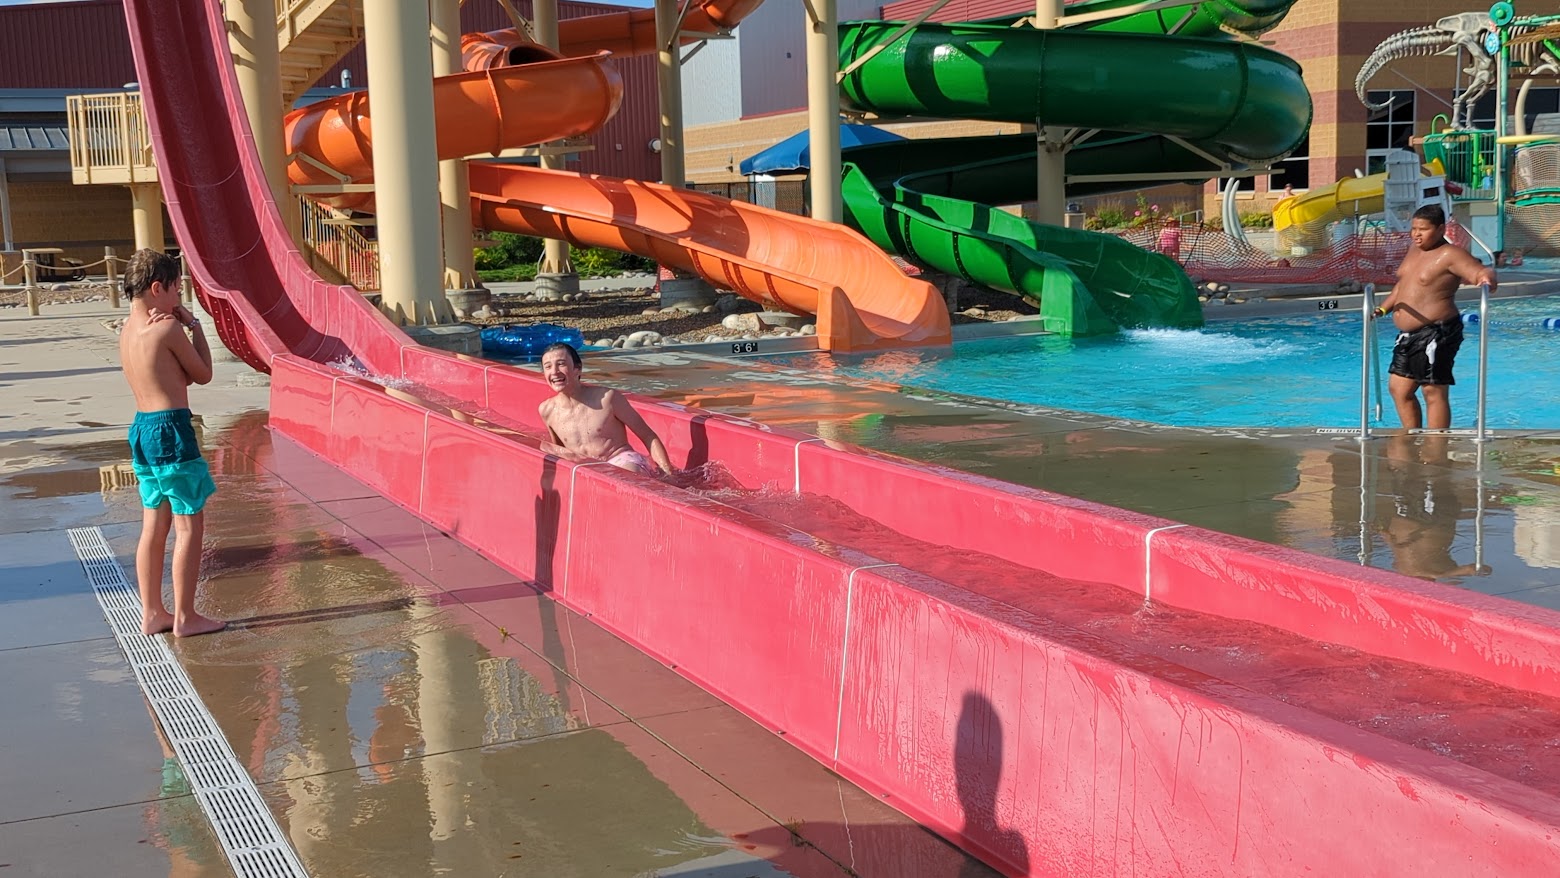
pixel 161 362
pixel 593 422
pixel 1424 308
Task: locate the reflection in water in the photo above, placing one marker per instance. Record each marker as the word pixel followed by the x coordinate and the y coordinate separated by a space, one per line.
pixel 406 742
pixel 174 820
pixel 1421 503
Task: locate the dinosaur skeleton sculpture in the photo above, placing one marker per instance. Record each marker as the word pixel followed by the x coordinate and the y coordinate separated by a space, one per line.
pixel 1464 31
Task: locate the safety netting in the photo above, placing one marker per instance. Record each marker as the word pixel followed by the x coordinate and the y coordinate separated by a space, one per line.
pixel 1210 254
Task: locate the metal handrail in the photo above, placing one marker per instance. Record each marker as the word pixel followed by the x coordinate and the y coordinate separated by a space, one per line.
pixel 1367 356
pixel 1484 358
pixel 330 234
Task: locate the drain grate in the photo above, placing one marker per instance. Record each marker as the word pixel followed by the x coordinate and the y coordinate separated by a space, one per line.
pixel 254 844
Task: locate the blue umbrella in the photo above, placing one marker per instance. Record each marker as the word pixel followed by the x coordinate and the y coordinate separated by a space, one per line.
pixel 792 155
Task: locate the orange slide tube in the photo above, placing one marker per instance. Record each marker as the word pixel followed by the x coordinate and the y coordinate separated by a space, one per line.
pixel 621 33
pixel 861 298
pixel 482 112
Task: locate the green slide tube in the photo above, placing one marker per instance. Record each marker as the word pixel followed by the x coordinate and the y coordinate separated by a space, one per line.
pixel 1165 105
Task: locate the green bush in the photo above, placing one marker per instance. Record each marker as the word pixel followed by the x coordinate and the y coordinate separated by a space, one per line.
pixel 1111 214
pixel 1256 219
pixel 515 257
pixel 508 273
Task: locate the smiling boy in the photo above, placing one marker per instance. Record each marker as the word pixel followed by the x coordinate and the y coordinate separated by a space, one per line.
pixel 591 421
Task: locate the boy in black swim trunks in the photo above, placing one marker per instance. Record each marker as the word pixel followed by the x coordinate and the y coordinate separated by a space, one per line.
pixel 161 362
pixel 1424 308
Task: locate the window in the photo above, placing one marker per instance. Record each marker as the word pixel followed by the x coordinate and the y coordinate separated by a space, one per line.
pixel 1389 128
pixel 1540 108
pixel 1242 184
pixel 1294 171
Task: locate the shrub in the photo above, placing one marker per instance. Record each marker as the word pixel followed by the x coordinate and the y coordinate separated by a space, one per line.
pixel 508 273
pixel 1256 219
pixel 515 257
pixel 1111 214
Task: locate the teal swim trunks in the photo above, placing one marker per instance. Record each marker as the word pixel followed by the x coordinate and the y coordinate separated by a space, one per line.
pixel 166 458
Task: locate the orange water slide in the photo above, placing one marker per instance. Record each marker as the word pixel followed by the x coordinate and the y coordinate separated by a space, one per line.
pixel 631 32
pixel 548 98
pixel 861 298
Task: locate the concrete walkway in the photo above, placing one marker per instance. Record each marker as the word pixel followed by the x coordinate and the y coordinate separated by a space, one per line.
pixel 391 725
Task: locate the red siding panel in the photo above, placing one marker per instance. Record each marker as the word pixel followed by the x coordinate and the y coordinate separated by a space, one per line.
pixel 65 45
pixel 961 10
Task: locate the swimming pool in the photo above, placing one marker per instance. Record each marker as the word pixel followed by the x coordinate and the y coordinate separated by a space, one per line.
pixel 1293 371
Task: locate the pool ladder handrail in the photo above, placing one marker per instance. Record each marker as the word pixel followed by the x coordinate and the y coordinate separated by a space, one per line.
pixel 1368 359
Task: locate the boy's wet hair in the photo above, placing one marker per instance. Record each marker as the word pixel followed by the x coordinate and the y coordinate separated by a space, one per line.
pixel 564 346
pixel 1433 213
pixel 147 267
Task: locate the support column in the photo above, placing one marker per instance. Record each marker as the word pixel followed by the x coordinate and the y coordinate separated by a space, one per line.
pixel 677 289
pixel 257 67
pixel 823 110
pixel 555 277
pixel 1050 155
pixel 146 215
pixel 406 163
pixel 5 209
pixel 461 285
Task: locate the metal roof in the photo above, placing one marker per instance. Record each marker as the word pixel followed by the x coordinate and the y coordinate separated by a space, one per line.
pixel 24 138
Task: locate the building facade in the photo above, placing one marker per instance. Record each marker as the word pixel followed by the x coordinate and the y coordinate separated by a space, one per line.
pixel 1329 38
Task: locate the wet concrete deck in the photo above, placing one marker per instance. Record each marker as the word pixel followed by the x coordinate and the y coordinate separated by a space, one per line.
pixel 404 706
pixel 1402 502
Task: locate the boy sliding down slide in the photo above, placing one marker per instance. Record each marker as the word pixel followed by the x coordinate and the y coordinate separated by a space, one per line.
pixel 160 363
pixel 587 421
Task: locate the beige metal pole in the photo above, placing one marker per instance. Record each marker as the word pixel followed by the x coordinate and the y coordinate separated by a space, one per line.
pixel 454 180
pixel 555 254
pixel 1051 194
pixel 112 270
pixel 146 215
pixel 406 163
pixel 30 279
pixel 669 93
pixel 823 110
pixel 257 66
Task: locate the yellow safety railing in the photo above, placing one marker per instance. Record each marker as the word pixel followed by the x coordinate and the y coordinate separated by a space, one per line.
pixel 331 235
pixel 109 139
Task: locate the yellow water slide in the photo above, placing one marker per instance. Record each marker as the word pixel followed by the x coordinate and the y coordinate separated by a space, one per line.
pixel 1302 220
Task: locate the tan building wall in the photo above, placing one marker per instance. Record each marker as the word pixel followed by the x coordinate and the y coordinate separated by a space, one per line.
pixel 79 219
pixel 715 152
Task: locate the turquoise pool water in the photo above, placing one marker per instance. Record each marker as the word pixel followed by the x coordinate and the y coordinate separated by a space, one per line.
pixel 1298 371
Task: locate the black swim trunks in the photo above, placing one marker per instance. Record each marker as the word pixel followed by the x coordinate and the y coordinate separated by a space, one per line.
pixel 1426 354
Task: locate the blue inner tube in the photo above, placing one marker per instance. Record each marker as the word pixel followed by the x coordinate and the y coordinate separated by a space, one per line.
pixel 528 341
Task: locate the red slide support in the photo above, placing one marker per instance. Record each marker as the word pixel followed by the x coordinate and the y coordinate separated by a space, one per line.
pixel 1045 747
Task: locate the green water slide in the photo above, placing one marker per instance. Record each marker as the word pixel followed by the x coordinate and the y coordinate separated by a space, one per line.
pixel 1169 105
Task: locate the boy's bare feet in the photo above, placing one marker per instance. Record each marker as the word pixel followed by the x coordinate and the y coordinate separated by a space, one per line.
pixel 194 624
pixel 156 622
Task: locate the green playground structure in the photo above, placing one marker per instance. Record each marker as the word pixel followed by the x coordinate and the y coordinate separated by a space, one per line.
pixel 1152 102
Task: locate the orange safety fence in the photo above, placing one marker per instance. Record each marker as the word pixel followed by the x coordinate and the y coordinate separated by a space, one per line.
pixel 1210 254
